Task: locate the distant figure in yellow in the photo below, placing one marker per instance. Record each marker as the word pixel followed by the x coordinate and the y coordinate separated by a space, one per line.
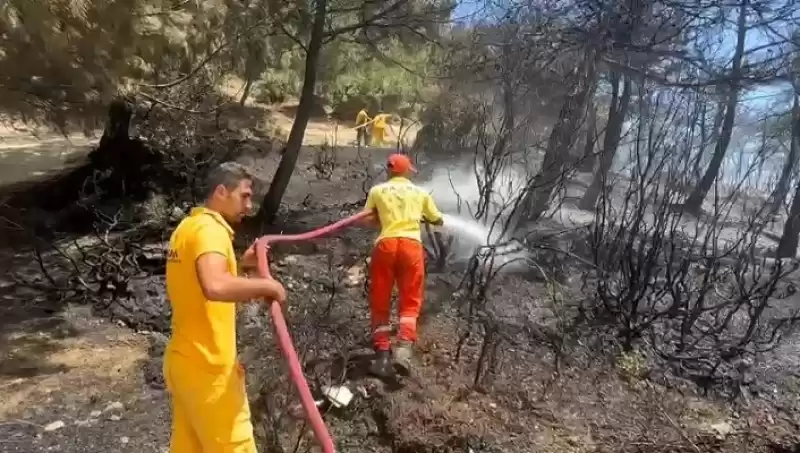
pixel 362 118
pixel 379 126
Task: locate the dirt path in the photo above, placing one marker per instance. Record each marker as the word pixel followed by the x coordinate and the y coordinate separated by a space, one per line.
pixel 71 382
pixel 24 157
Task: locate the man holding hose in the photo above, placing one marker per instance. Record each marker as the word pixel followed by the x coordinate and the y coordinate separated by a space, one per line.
pixel 362 118
pixel 210 412
pixel 398 206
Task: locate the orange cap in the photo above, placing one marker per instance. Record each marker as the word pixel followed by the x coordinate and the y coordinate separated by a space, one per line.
pixel 400 164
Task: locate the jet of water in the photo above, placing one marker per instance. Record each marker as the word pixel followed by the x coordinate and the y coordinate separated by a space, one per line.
pixel 455 189
pixel 470 236
pixel 469 230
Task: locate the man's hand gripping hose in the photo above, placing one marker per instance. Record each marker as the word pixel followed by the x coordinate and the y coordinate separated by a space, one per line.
pixel 282 331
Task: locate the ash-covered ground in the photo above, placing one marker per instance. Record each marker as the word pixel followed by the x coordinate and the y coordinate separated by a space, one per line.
pixel 81 376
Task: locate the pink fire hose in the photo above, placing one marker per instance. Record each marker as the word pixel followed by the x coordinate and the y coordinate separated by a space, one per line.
pixel 282 331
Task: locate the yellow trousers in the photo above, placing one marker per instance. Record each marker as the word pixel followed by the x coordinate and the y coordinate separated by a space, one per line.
pixel 378 136
pixel 210 412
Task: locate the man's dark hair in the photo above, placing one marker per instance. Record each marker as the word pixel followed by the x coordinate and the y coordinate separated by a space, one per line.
pixel 228 174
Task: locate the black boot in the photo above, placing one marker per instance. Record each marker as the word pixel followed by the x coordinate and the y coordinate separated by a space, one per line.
pixel 382 364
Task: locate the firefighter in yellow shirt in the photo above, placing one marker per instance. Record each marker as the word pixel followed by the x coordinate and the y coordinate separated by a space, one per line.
pixel 399 206
pixel 379 126
pixel 362 118
pixel 210 412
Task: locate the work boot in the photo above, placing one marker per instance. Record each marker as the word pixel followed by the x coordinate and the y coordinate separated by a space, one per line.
pixel 381 366
pixel 403 353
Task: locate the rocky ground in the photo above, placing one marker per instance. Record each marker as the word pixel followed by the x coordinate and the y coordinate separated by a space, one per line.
pixel 73 379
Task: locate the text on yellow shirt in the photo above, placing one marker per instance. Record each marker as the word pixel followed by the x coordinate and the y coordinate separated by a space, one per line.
pixel 401 206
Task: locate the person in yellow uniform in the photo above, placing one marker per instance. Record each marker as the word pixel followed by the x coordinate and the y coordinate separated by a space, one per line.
pixel 379 126
pixel 210 412
pixel 362 118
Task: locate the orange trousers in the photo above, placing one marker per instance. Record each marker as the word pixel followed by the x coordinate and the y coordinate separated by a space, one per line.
pixel 401 260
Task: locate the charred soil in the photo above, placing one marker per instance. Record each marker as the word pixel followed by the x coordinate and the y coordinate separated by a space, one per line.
pixel 74 379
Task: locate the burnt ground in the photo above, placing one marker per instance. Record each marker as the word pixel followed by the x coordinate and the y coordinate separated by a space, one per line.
pixel 73 379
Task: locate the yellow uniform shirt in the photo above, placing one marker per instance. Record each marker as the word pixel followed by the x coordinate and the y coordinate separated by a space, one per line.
pixel 381 121
pixel 362 117
pixel 401 206
pixel 202 330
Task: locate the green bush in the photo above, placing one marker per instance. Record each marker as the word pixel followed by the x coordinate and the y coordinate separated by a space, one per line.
pixel 389 78
pixel 276 85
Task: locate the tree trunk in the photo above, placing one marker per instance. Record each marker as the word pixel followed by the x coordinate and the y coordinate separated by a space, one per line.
pixel 562 138
pixel 132 165
pixel 589 158
pixel 248 85
pixel 706 138
pixel 694 203
pixel 272 200
pixel 617 112
pixel 118 123
pixel 254 65
pixel 787 247
pixel 782 188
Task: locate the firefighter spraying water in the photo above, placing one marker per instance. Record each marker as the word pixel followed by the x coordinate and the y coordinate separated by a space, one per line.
pixel 397 206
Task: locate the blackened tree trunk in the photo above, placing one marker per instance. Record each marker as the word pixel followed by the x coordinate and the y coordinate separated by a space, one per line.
pixel 539 192
pixel 706 138
pixel 694 203
pixel 589 158
pixel 787 247
pixel 617 112
pixel 118 123
pixel 272 200
pixel 782 188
